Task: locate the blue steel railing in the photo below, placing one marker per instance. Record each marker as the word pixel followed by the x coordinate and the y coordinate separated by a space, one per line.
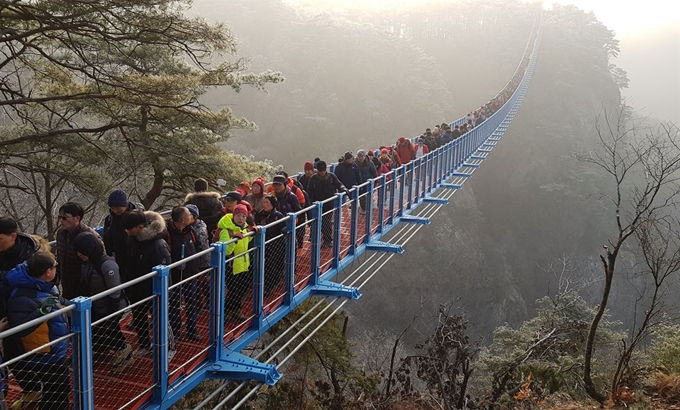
pixel 219 356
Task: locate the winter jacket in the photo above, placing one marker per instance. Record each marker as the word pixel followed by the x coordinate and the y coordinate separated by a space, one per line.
pixel 202 242
pixel 294 189
pixel 100 273
pixel 348 174
pixel 416 147
pixel 304 182
pixel 228 228
pixel 70 264
pixel 256 200
pixel 367 169
pixel 24 247
pixel 324 187
pixel 146 251
pixel 288 202
pixel 27 296
pixel 404 150
pixel 115 238
pixel 182 245
pixel 209 207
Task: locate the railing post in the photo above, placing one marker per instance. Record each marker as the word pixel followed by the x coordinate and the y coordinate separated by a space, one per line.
pixel 381 203
pixel 81 358
pixel 217 295
pixel 161 306
pixel 316 239
pixel 337 227
pixel 354 222
pixel 368 220
pixel 393 194
pixel 402 188
pixel 258 278
pixel 291 252
pixel 418 175
pixel 411 165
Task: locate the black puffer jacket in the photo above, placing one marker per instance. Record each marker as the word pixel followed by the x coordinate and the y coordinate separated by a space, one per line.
pixel 324 187
pixel 100 273
pixel 69 263
pixel 145 251
pixel 177 239
pixel 209 207
pixel 115 238
pixel 24 247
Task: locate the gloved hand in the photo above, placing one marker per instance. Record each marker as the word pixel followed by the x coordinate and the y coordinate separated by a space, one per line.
pixel 237 235
pixel 254 228
pixel 49 304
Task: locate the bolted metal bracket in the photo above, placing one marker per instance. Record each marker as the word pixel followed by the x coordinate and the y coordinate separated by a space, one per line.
pixel 451 186
pixel 235 366
pixel 434 200
pixel 379 246
pixel 415 219
pixel 328 288
pixel 461 174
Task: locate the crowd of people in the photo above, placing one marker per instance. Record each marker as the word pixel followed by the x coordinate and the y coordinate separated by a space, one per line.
pixel 35 282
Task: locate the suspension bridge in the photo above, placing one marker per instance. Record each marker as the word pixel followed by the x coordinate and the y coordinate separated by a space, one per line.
pixel 398 205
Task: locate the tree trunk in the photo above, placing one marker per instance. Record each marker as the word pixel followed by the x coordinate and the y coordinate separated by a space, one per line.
pixel 587 365
pixel 156 188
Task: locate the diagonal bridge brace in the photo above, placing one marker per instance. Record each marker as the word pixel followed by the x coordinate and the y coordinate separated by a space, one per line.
pixel 379 246
pixel 328 288
pixel 235 366
pixel 415 219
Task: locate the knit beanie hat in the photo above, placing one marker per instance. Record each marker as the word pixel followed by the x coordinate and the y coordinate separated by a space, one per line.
pixel 348 155
pixel 89 245
pixel 361 153
pixel 309 166
pixel 240 208
pixel 118 198
pixel 193 209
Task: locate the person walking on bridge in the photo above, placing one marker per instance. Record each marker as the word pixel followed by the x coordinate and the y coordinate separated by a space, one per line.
pixel 115 238
pixel 99 274
pixel 367 171
pixel 324 185
pixel 182 243
pixel 146 249
pixel 404 150
pixel 70 218
pixel 208 203
pixel 348 172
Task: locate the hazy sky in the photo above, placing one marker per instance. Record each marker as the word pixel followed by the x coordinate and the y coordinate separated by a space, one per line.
pixel 649 35
pixel 649 32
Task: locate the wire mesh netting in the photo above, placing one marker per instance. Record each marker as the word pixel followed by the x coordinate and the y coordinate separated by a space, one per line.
pixel 277 239
pixel 303 261
pixel 327 235
pixel 364 203
pixel 189 316
pixel 346 225
pixel 239 281
pixel 42 372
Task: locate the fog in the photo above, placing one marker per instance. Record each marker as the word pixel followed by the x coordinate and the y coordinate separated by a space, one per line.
pixel 360 80
pixel 652 60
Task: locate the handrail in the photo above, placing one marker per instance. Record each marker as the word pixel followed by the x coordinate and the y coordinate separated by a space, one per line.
pixel 353 235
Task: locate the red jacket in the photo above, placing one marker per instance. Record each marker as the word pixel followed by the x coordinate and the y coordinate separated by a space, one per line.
pixel 415 150
pixel 404 150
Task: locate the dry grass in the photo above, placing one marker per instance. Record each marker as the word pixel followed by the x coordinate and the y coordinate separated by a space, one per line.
pixel 667 385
